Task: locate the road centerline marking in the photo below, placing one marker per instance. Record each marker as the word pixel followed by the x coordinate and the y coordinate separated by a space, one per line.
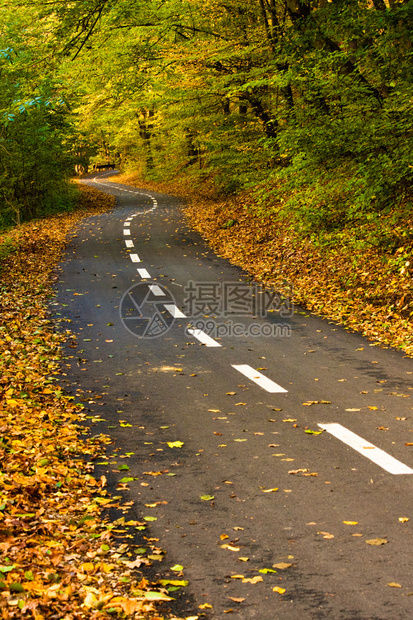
pixel 176 313
pixel 129 243
pixel 204 338
pixel 144 273
pixel 135 258
pixel 259 379
pixel 367 449
pixel 156 290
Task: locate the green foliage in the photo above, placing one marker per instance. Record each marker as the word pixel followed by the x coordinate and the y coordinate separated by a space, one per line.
pixel 35 134
pixel 311 101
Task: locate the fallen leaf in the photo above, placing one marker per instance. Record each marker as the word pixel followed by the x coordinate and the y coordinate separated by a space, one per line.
pixel 175 444
pixel 392 584
pixel 279 590
pixel 230 547
pixel 207 498
pixel 270 490
pixel 403 519
pixel 351 522
pixel 282 565
pixel 253 580
pixel 377 541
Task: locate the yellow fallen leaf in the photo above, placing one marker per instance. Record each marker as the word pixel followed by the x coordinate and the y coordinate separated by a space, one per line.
pixel 256 579
pixel 351 522
pixel 392 584
pixel 403 519
pixel 269 490
pixel 377 541
pixel 279 590
pixel 244 559
pixel 282 565
pixel 205 606
pixel 230 547
pixel 237 577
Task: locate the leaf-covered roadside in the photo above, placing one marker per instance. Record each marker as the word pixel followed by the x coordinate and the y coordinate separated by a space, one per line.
pixel 347 278
pixel 361 277
pixel 58 555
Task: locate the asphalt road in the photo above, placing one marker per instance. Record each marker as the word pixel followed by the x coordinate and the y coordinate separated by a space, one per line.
pixel 262 439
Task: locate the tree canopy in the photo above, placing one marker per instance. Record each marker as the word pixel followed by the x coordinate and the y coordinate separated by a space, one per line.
pixel 311 96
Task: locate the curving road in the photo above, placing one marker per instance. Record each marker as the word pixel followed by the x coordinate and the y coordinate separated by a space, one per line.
pixel 271 449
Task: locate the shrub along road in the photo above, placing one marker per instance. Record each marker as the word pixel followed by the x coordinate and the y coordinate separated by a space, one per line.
pixel 268 451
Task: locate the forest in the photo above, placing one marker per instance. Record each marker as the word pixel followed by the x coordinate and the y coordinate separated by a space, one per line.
pixel 306 104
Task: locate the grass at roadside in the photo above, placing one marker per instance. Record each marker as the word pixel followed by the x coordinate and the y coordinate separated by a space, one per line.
pixel 350 276
pixel 59 558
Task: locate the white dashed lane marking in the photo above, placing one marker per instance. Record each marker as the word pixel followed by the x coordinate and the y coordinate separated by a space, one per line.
pixel 174 311
pixel 156 290
pixel 204 338
pixel 367 449
pixel 144 273
pixel 129 243
pixel 135 258
pixel 267 384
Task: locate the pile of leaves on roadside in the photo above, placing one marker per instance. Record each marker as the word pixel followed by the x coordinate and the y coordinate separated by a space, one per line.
pixel 368 290
pixel 351 277
pixel 59 558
